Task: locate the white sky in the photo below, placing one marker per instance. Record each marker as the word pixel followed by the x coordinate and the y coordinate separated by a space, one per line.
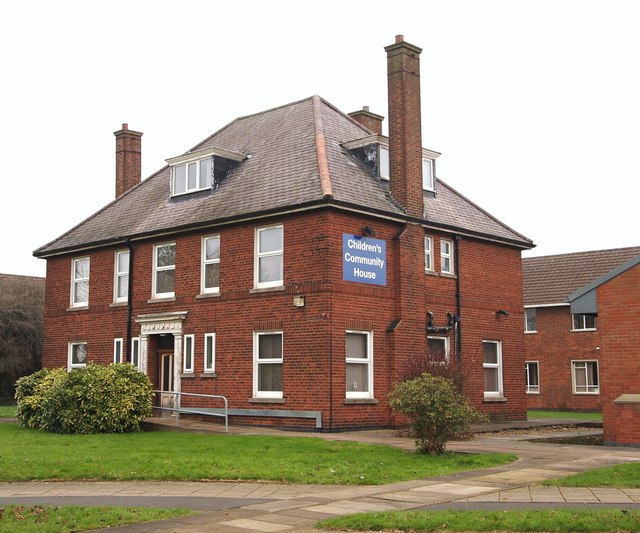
pixel 535 105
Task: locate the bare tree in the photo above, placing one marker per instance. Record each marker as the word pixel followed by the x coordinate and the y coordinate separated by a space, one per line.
pixel 21 329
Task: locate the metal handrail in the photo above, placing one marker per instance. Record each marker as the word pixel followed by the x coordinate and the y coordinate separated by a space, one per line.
pixel 179 409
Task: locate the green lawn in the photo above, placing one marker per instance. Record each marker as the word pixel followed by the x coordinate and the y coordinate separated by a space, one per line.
pixel 621 476
pixel 48 519
pixel 7 411
pixel 564 414
pixel 558 520
pixel 31 454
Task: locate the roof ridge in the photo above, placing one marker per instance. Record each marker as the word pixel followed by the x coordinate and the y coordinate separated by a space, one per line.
pixel 586 252
pixel 321 149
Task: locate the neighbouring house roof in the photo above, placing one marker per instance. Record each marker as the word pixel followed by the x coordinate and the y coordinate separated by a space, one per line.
pixel 8 280
pixel 15 286
pixel 551 279
pixel 294 159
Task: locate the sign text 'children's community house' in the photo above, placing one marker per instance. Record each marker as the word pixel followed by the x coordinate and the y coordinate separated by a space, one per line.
pixel 364 260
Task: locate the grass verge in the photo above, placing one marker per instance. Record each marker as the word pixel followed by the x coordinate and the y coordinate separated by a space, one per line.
pixel 620 476
pixel 7 411
pixel 559 520
pixel 49 519
pixel 564 414
pixel 30 455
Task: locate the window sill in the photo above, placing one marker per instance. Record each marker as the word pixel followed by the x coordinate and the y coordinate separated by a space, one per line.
pixel 530 332
pixel 78 308
pixel 207 295
pixel 538 392
pixel 494 399
pixel 161 300
pixel 360 401
pixel 581 330
pixel 448 275
pixel 208 375
pixel 266 289
pixel 586 393
pixel 267 400
pixel 431 272
pixel 118 304
pixel 187 375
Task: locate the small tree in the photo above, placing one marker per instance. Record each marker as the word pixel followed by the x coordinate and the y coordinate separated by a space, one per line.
pixel 438 412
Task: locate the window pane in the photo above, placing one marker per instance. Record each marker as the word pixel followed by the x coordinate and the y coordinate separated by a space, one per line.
pixel 166 256
pixel 357 377
pixel 270 377
pixel 192 173
pixel 212 275
pixel 593 373
pixel 271 268
pixel 491 380
pixel 179 179
pixel 384 162
pixel 212 248
pixel 532 374
pixel 270 346
pixel 117 356
pixel 208 361
pixel 437 349
pixel 205 173
pixel 188 353
pixel 123 262
pixel 79 354
pixel 589 322
pixel 490 353
pixel 135 344
pixel 123 286
pixel 165 281
pixel 356 346
pixel 82 269
pixel 270 240
pixel 427 174
pixel 81 292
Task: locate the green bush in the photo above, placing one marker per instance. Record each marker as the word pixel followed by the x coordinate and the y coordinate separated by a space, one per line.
pixel 95 399
pixel 437 411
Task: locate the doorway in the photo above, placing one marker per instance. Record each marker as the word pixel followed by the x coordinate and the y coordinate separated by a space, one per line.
pixel 167 401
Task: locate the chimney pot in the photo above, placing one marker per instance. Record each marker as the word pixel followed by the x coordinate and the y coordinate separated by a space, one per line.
pixel 125 126
pixel 399 38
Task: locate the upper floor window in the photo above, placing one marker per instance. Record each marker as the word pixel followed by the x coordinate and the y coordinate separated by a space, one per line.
pixel 77 355
pixel 164 270
pixel 80 282
pixel 359 361
pixel 191 176
pixel 269 257
pixel 585 377
pixel 428 175
pixel 530 320
pixel 383 169
pixel 121 282
pixel 428 253
pixel 211 264
pixel 446 256
pixel 584 322
pixel 438 349
pixel 492 365
pixel 267 361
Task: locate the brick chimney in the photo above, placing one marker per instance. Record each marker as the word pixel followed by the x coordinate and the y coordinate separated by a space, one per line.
pixel 405 127
pixel 128 159
pixel 368 119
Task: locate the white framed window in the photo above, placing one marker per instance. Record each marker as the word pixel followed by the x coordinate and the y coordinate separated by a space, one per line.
pixel 267 364
pixel 77 355
pixel 117 350
pixel 585 377
pixel 583 322
pixel 446 256
pixel 438 349
pixel 492 366
pixel 121 281
pixel 135 352
pixel 383 168
pixel 530 320
pixel 533 377
pixel 210 264
pixel 359 364
pixel 164 270
pixel 428 175
pixel 269 256
pixel 428 253
pixel 191 176
pixel 210 352
pixel 187 355
pixel 80 282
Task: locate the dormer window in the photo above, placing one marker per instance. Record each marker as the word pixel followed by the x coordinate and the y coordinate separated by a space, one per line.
pixel 192 176
pixel 428 175
pixel 384 163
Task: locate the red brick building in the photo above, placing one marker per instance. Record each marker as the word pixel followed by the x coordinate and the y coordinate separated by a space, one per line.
pixel 564 347
pixel 297 262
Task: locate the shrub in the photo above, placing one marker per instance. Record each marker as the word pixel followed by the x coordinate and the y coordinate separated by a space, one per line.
pixel 95 399
pixel 437 411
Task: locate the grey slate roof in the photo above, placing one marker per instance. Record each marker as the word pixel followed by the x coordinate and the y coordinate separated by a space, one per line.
pixel 281 172
pixel 551 279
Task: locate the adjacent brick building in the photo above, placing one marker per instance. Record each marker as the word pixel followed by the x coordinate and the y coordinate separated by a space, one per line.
pixel 564 347
pixel 297 262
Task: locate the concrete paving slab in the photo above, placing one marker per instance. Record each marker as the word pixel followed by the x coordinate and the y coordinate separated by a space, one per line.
pixel 609 495
pixel 279 505
pixel 453 489
pixel 515 495
pixel 546 494
pixel 578 495
pixel 523 475
pixel 256 525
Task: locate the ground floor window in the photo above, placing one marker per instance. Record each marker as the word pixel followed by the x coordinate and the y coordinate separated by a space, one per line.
pixel 117 350
pixel 267 364
pixel 359 361
pixel 533 377
pixel 77 355
pixel 438 349
pixel 492 366
pixel 210 352
pixel 135 352
pixel 188 353
pixel 585 377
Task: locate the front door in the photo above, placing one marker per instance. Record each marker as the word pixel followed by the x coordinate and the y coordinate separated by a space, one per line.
pixel 168 401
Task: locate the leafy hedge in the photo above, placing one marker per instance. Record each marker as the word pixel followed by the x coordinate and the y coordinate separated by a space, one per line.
pixel 95 399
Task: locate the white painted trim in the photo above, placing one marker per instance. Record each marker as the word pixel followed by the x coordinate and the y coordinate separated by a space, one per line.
pixel 369 362
pixel 256 392
pixel 256 259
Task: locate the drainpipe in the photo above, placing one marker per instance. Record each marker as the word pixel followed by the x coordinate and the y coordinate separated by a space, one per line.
pixel 458 296
pixel 129 300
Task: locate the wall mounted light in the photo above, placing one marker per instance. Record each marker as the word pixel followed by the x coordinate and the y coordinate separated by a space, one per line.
pixel 369 231
pixel 298 300
pixel 502 312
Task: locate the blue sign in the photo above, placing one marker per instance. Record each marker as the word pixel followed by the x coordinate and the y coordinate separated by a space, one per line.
pixel 364 260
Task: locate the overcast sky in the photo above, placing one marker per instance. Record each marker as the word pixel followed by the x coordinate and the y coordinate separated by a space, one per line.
pixel 535 106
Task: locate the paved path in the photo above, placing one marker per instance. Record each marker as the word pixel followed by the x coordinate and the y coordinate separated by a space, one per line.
pixel 270 507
